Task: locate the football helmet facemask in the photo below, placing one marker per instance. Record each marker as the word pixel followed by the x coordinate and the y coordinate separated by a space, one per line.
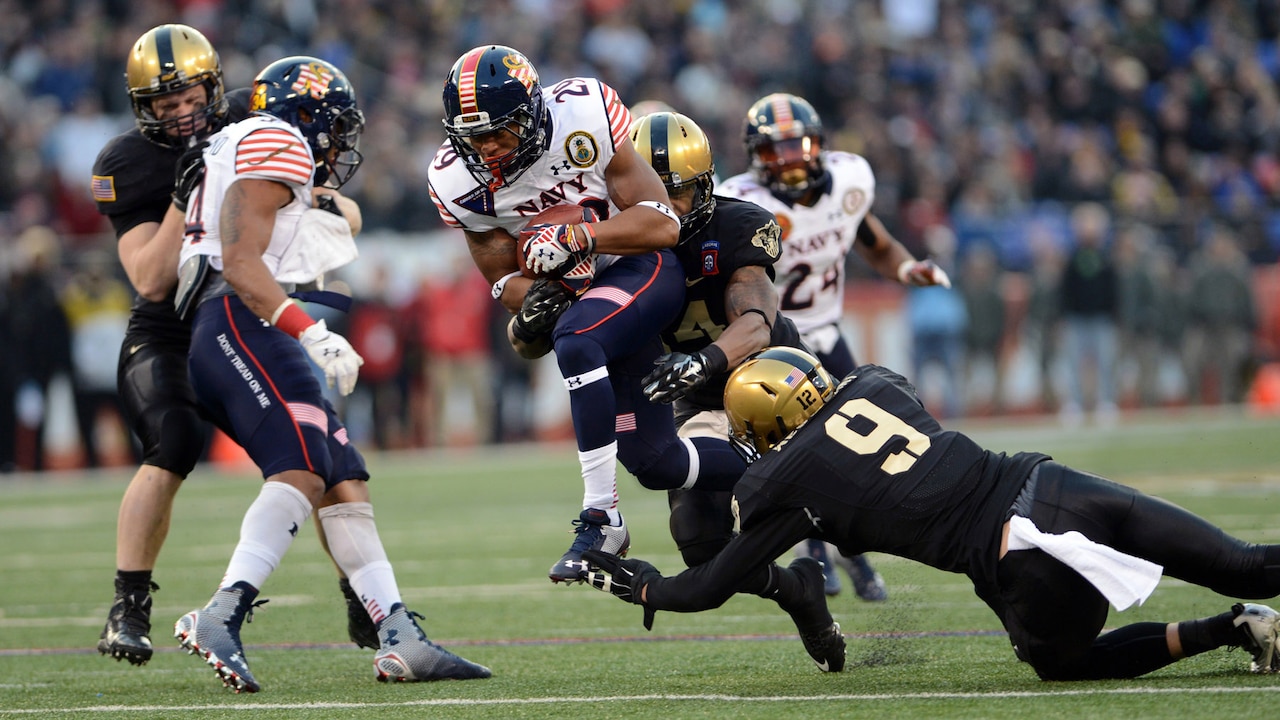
pixel 490 89
pixel 169 59
pixel 681 154
pixel 314 96
pixel 771 394
pixel 784 140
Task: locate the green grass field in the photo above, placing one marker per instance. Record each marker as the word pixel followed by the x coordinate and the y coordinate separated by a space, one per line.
pixel 471 536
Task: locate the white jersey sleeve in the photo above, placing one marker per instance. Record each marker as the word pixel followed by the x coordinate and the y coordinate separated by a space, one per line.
pixel 261 148
pixel 815 240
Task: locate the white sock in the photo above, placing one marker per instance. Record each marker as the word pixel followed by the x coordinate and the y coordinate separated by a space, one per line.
pixel 357 549
pixel 266 532
pixel 599 479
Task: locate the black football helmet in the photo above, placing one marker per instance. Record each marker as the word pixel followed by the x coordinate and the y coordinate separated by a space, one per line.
pixel 771 394
pixel 494 88
pixel 314 96
pixel 169 59
pixel 784 140
pixel 681 154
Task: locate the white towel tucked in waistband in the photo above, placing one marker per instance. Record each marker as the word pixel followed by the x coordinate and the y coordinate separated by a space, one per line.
pixel 1122 579
pixel 322 242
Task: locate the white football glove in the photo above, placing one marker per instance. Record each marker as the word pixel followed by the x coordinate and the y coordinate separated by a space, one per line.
pixel 340 362
pixel 921 273
pixel 548 250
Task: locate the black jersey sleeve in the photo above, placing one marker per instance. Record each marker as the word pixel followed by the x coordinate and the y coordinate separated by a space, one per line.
pixel 753 236
pixel 132 181
pixel 709 585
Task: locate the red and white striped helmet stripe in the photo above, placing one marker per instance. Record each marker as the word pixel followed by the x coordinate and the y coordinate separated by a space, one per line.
pixel 467 80
pixel 782 112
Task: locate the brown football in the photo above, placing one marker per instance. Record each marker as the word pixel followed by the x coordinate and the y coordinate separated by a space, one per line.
pixel 554 215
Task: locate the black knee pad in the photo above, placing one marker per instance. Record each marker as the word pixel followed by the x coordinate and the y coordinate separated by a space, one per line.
pixel 701 523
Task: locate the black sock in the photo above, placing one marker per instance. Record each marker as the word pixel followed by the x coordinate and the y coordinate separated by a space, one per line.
pixel 1129 651
pixel 129 582
pixel 1206 634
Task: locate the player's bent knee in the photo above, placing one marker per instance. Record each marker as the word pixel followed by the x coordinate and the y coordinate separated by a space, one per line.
pixel 576 354
pixel 653 469
pixel 180 440
pixel 701 524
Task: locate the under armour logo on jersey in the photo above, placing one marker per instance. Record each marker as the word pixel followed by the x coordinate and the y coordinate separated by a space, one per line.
pixel 562 165
pixel 294 530
pixel 573 382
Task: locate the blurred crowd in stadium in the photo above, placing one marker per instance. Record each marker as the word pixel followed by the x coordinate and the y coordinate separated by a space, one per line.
pixel 1001 132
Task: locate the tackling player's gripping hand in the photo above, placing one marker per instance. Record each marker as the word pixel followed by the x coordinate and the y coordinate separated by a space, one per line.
pixel 623 578
pixel 678 373
pixel 543 305
pixel 335 356
pixel 188 173
pixel 549 248
pixel 922 273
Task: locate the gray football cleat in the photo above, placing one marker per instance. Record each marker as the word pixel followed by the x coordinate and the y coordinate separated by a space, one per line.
pixel 1258 626
pixel 406 655
pixel 593 533
pixel 213 633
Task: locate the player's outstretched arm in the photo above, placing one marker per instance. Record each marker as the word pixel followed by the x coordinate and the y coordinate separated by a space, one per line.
pixel 891 259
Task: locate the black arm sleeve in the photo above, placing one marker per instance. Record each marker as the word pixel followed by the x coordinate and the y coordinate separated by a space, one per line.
pixel 709 585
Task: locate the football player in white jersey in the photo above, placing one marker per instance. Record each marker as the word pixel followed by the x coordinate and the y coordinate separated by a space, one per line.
pixel 515 149
pixel 250 227
pixel 822 199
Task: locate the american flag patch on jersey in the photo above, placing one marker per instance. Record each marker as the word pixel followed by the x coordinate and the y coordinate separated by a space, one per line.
pixel 793 379
pixel 308 414
pixel 104 188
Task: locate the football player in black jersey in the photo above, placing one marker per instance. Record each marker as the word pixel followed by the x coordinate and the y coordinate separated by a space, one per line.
pixel 727 250
pixel 865 467
pixel 175 85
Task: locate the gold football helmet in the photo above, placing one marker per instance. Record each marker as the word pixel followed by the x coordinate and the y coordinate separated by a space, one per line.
pixel 678 149
pixel 771 394
pixel 169 59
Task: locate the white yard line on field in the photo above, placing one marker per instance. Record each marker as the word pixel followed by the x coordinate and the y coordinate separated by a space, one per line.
pixel 595 700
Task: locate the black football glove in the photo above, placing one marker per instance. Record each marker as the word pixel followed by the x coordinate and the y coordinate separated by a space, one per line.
pixel 328 204
pixel 678 373
pixel 188 173
pixel 543 305
pixel 622 578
